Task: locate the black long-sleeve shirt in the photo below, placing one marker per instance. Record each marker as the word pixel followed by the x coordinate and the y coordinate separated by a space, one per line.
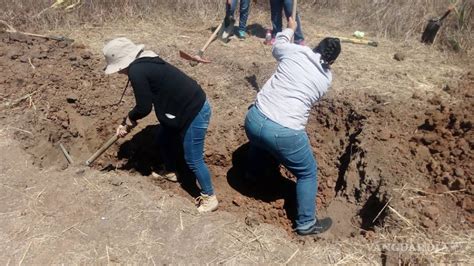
pixel 177 98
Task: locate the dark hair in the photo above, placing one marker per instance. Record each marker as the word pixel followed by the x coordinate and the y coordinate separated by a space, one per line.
pixel 329 49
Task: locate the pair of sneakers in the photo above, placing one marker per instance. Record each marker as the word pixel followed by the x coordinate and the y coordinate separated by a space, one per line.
pixel 204 203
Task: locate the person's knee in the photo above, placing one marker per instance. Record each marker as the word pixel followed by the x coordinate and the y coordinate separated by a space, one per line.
pixel 308 172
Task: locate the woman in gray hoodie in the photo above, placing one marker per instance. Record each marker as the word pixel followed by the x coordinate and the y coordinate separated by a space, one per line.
pixel 276 123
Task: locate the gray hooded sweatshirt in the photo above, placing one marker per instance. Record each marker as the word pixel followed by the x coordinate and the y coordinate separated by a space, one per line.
pixel 298 83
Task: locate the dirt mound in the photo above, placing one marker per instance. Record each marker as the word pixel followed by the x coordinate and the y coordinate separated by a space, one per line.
pixel 372 150
pixel 445 142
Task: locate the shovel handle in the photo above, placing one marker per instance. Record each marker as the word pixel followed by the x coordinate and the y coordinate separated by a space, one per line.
pixel 213 36
pixel 102 149
pixel 293 10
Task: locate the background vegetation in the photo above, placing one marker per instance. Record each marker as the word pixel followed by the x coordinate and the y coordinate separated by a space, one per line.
pixel 399 19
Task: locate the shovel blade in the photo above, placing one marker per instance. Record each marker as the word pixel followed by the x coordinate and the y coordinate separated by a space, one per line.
pixel 227 29
pixel 195 58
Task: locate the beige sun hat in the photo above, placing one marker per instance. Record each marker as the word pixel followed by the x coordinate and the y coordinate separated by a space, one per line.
pixel 119 54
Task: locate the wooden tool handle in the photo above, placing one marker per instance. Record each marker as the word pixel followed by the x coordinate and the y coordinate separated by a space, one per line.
pixel 66 154
pixel 445 14
pixel 102 149
pixel 213 36
pixel 293 11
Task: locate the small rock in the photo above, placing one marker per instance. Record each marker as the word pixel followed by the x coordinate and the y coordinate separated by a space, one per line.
pixel 470 218
pixel 470 189
pixel 237 201
pixel 446 168
pixel 399 56
pixel 446 88
pixel 369 234
pixel 383 135
pixel 440 188
pixel 330 183
pixel 62 44
pixel 116 182
pixel 78 45
pixel 72 58
pixel 251 220
pixel 65 124
pixel 435 100
pixel 279 203
pixel 467 204
pixel 456 152
pixel 319 201
pixel 71 98
pixel 411 214
pixel 431 212
pixel 459 172
pixel 281 213
pixel 427 223
pixel 86 55
pixel 458 184
pixel 24 59
pixel 416 95
pixel 80 172
pixel 446 178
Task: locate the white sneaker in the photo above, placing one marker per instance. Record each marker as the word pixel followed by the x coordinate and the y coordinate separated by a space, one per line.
pixel 170 176
pixel 206 203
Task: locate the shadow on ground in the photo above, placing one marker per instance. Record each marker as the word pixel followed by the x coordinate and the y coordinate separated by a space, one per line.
pixel 268 187
pixel 142 155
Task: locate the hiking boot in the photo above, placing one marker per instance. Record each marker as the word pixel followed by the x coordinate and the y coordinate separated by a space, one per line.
pixel 206 203
pixel 319 227
pixel 162 174
pixel 241 35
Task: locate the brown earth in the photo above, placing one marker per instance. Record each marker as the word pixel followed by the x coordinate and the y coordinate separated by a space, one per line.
pixel 389 155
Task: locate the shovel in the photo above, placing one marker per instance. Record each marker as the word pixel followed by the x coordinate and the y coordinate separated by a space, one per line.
pixel 102 149
pixel 195 59
pixel 429 34
pixel 352 40
pixel 94 157
pixel 10 29
pixel 228 25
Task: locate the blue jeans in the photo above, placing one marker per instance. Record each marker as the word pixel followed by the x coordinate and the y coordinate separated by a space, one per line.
pixel 292 149
pixel 244 12
pixel 193 147
pixel 277 6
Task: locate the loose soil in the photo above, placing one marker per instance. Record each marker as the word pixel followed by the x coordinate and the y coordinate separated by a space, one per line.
pixel 394 148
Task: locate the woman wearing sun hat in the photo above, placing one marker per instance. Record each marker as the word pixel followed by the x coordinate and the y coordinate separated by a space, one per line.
pixel 180 105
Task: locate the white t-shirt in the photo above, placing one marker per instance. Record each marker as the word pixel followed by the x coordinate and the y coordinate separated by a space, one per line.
pixel 298 83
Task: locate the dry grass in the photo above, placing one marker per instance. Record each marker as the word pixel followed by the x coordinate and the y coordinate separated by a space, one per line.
pixel 401 19
pixel 405 19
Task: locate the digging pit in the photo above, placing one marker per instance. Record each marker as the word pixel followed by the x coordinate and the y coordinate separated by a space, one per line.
pixel 57 93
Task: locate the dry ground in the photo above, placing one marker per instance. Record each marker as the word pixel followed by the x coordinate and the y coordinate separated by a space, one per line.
pixel 367 133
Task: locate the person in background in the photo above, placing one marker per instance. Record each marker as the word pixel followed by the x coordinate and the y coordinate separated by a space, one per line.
pixel 244 14
pixel 277 6
pixel 180 105
pixel 275 124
